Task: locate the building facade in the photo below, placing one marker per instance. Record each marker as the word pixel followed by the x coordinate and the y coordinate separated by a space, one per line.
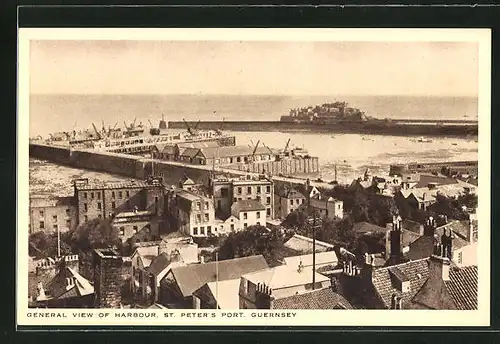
pixel 286 200
pixel 52 214
pixel 107 200
pixel 195 213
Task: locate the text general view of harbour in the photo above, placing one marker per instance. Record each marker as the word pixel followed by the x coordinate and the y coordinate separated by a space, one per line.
pixel 188 181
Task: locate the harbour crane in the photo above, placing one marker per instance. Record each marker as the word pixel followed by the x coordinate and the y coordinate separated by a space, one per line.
pixel 254 151
pixel 286 147
pixel 96 131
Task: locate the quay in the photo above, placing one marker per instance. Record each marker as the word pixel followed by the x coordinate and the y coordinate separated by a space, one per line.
pixel 138 167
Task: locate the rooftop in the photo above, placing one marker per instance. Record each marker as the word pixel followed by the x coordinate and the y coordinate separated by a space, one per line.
pixel 329 257
pixel 131 184
pixel 190 278
pixel 159 263
pixel 304 244
pixel 284 276
pixel 316 299
pixel 233 151
pixel 223 293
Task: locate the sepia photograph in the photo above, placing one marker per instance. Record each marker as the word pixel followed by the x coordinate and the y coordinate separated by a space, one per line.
pixel 251 176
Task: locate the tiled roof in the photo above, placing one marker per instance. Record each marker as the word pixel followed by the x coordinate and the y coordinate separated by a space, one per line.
pixel 416 272
pixel 462 287
pixel 317 299
pixel 191 277
pixel 58 287
pixel 247 205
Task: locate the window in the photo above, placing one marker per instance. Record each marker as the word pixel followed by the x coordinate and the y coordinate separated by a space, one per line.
pixel 55 227
pixel 206 205
pixel 135 229
pixel 231 160
pixel 268 212
pixel 239 190
pixel 85 195
pixel 68 212
pixel 120 194
pixel 235 199
pixel 245 225
pixel 85 218
pixel 239 198
pixel 41 212
pixel 258 198
pixel 268 189
pixel 113 205
pixel 232 226
pixel 68 223
pixel 302 201
pixel 42 224
pixel 198 205
pixel 54 218
pixel 85 208
pixel 92 195
pixel 258 214
pixel 195 230
pixel 238 159
pixel 268 200
pixel 113 194
pixel 99 205
pixel 245 216
pixel 127 193
pixel 202 230
pixel 207 218
pixel 258 189
pixel 122 230
pixel 98 195
pixel 291 202
pixel 258 223
pixel 249 197
pixel 249 189
pixel 198 218
pixel 99 216
pixel 209 230
pixel 297 201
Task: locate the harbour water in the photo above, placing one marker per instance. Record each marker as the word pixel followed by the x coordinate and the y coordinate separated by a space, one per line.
pixel 350 153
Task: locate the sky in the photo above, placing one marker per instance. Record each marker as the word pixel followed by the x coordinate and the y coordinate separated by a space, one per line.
pixel 250 68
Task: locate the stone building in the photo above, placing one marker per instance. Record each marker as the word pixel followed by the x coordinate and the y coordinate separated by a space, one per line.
pixel 195 213
pixel 286 200
pixel 52 214
pixel 107 200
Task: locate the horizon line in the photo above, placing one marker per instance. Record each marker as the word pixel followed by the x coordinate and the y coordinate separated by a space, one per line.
pixel 258 95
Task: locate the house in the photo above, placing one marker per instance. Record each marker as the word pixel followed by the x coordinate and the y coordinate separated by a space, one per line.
pixel 428 283
pixel 329 208
pixel 57 283
pixel 227 191
pixel 195 213
pixel 141 224
pixel 257 288
pixel 460 235
pixel 217 295
pixel 105 200
pixel 286 200
pixel 51 214
pixel 307 190
pixel 249 213
pixel 179 284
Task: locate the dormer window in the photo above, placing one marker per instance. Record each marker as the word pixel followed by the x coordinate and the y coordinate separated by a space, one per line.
pixel 400 281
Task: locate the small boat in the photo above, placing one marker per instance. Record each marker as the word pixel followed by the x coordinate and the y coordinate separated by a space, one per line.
pixel 424 140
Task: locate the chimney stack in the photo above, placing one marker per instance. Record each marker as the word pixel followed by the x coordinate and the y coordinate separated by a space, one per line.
pixel 439 264
pixel 429 226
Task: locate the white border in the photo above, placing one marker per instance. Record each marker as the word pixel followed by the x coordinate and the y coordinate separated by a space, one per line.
pixel 481 317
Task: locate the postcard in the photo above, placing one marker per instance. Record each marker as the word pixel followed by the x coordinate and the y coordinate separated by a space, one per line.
pixel 253 177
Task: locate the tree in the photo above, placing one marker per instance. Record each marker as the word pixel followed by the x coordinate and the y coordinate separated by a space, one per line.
pixel 96 233
pixel 255 240
pixel 42 245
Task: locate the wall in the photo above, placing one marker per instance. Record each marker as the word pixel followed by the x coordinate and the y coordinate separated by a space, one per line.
pixel 290 166
pixel 63 216
pixel 108 281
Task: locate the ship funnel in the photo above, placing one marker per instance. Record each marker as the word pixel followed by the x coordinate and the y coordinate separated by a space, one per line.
pixel 163 123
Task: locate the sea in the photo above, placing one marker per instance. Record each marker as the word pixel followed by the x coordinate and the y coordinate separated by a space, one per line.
pixel 349 154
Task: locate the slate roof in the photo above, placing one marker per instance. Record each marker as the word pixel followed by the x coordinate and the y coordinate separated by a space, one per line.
pixel 225 292
pixel 159 264
pixel 412 226
pixel 416 272
pixel 317 299
pixel 284 276
pixel 288 192
pixel 421 248
pixel 189 152
pixel 247 205
pixel 191 277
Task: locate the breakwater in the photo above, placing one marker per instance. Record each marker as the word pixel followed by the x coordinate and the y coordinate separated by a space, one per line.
pixel 468 167
pixel 379 127
pixel 138 167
